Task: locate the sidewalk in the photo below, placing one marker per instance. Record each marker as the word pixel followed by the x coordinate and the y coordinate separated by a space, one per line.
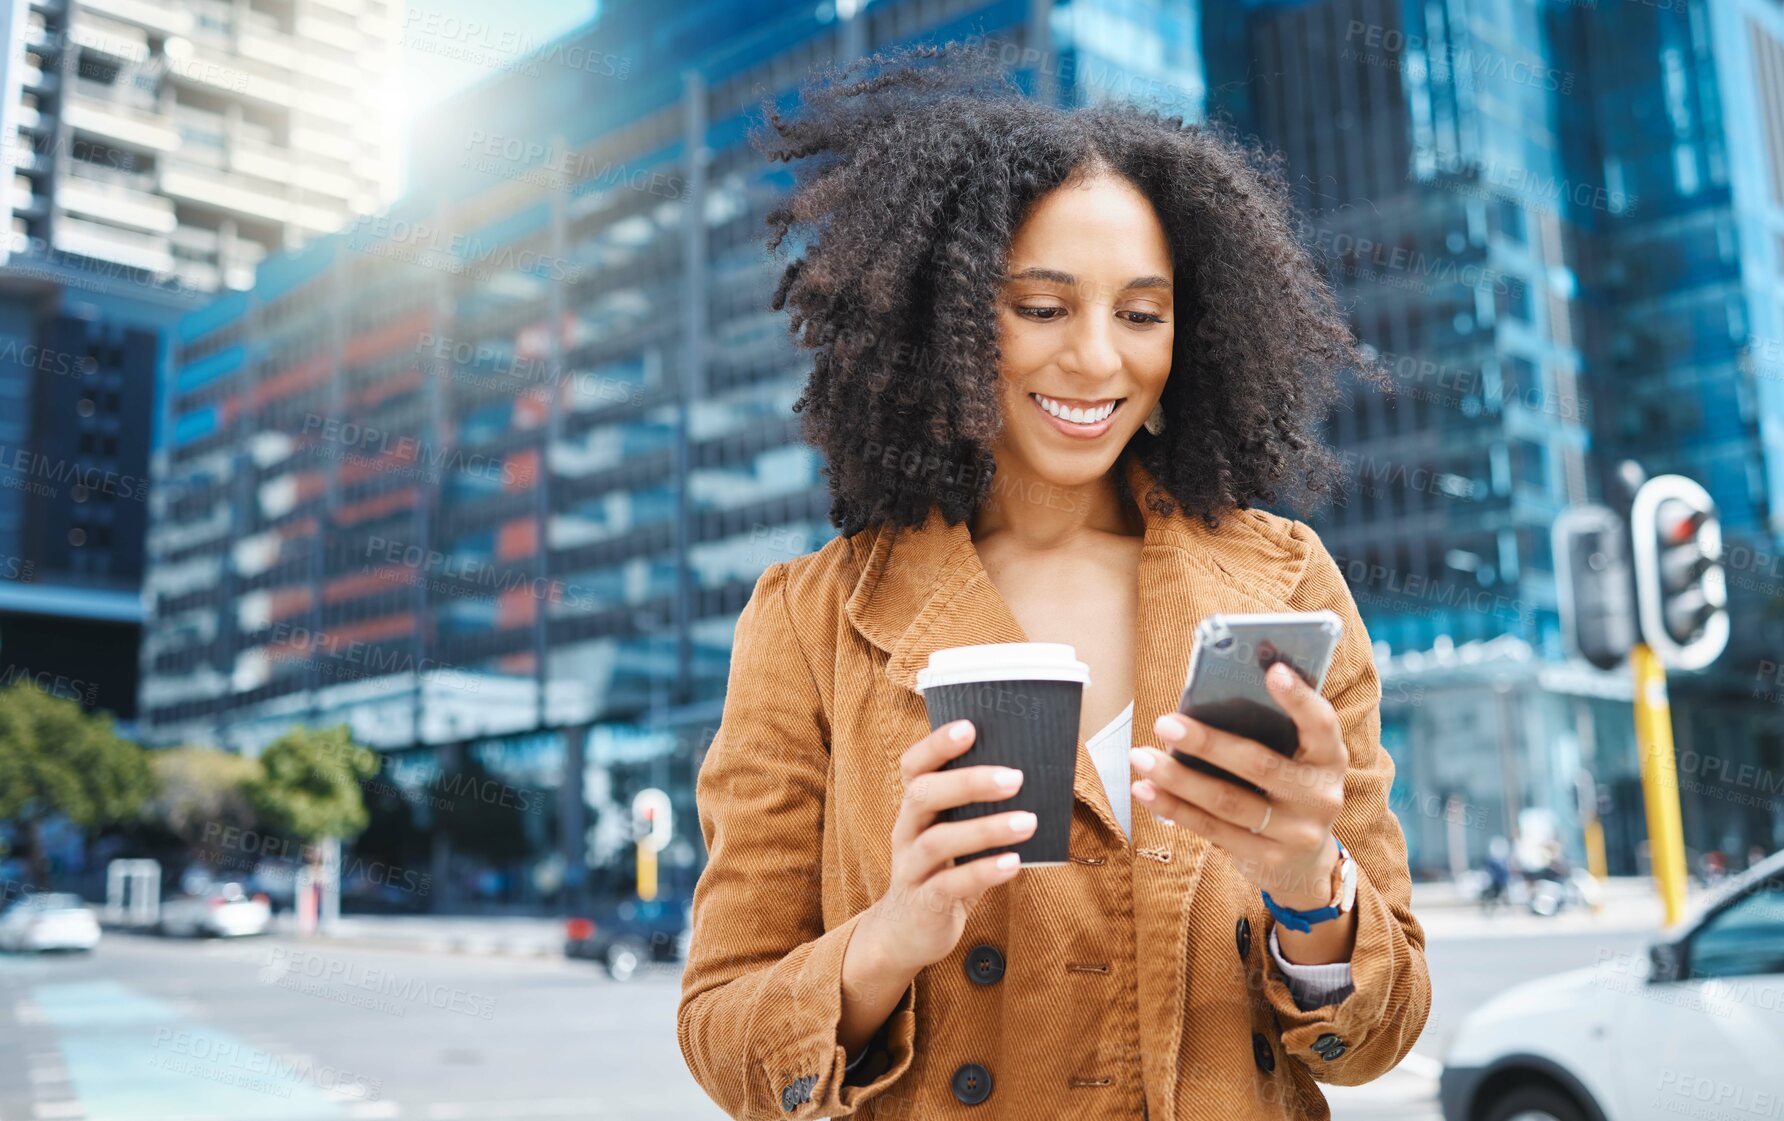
pixel 506 936
pixel 1630 904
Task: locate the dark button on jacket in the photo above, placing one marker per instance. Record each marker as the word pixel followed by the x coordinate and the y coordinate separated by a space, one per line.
pixel 1262 1052
pixel 1242 937
pixel 798 1092
pixel 972 1083
pixel 984 965
pixel 1328 1047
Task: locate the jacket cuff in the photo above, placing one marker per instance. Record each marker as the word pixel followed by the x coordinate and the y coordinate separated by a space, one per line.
pixel 1313 985
pixel 1360 1037
pixel 807 1069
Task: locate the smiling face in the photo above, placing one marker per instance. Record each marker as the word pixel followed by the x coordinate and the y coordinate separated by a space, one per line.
pixel 1086 322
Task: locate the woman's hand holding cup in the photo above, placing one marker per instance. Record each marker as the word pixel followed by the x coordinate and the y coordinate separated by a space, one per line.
pixel 922 915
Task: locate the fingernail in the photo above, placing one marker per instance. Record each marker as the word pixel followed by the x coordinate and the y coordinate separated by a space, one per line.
pixel 1168 728
pixel 960 731
pixel 1022 823
pixel 1008 860
pixel 1144 790
pixel 1008 778
pixel 1279 673
pixel 1143 760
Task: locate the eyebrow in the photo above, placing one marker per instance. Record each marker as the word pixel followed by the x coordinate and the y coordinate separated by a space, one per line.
pixel 1057 277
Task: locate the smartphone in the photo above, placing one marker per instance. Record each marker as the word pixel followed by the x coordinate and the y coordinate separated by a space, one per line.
pixel 1225 688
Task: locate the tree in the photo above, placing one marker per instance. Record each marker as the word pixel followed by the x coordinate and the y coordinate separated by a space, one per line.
pixel 309 785
pixel 200 794
pixel 55 759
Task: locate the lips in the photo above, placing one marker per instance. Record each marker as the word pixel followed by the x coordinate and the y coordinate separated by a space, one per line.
pixel 1079 431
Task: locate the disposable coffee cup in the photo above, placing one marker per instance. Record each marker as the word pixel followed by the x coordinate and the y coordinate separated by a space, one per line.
pixel 1024 699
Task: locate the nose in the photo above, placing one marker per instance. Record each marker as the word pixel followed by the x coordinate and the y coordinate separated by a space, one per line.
pixel 1091 351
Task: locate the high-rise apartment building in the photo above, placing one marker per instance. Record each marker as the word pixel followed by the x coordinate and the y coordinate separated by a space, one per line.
pixel 156 153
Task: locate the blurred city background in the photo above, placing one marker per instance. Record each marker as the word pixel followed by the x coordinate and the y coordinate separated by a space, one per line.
pixel 393 424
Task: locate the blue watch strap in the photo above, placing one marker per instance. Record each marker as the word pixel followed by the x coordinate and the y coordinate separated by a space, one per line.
pixel 1303 920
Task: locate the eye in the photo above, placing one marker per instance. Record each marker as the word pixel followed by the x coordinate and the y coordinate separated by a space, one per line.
pixel 1051 313
pixel 1145 317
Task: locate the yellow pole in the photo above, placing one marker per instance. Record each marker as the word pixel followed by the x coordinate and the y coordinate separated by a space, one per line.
pixel 647 872
pixel 1596 863
pixel 1660 780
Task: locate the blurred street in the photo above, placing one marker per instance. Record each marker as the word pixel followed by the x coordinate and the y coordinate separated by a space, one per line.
pixel 472 1019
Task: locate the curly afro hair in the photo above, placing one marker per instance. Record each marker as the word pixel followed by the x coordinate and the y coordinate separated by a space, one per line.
pixel 916 168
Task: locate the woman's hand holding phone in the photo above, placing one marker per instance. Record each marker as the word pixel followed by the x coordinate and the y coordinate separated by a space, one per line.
pixel 1293 855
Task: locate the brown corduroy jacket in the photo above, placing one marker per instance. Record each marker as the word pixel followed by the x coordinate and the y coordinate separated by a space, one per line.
pixel 1136 977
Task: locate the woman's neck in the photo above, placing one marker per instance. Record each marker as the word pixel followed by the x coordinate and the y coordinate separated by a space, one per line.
pixel 1038 516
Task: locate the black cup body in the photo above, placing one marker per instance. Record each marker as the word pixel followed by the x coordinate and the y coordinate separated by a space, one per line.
pixel 1029 725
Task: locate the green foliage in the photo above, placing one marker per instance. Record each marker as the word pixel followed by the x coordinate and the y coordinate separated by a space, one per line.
pixel 201 790
pixel 309 786
pixel 57 759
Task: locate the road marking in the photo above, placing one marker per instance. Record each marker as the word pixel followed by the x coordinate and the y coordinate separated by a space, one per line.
pixel 133 1057
pixel 365 1111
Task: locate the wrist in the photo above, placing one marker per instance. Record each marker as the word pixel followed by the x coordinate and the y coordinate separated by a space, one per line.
pixel 1312 889
pixel 882 961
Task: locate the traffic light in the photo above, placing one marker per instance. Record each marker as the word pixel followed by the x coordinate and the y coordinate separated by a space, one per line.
pixel 1681 590
pixel 1593 584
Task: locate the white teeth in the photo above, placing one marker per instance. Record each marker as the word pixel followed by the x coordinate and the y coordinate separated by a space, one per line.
pixel 1076 415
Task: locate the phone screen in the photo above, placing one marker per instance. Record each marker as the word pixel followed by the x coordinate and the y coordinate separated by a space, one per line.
pixel 1226 687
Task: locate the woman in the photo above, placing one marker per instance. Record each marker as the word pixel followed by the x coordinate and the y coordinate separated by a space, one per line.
pixel 975 265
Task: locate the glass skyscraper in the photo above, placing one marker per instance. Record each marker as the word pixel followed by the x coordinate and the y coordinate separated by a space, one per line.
pixel 1530 210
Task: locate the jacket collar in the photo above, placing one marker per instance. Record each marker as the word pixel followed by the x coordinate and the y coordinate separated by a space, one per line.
pixel 924 588
pixel 913 581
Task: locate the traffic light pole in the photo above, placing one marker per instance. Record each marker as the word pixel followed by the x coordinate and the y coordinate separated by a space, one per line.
pixel 1660 781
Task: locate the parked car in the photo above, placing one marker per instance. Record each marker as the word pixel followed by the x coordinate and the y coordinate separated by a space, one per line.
pixel 625 934
pixel 1694 1026
pixel 50 921
pixel 224 911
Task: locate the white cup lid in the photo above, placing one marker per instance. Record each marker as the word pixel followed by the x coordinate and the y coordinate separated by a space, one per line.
pixel 1004 661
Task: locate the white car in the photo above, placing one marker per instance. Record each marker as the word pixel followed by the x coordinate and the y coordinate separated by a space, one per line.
pixel 225 911
pixel 1693 1030
pixel 54 921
